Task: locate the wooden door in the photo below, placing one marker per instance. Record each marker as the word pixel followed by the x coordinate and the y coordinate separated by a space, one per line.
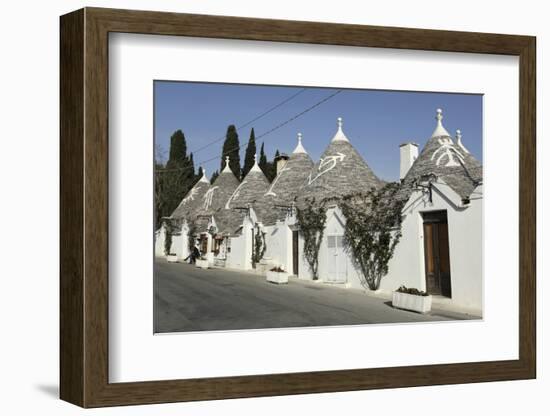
pixel 336 259
pixel 204 245
pixel 295 253
pixel 436 253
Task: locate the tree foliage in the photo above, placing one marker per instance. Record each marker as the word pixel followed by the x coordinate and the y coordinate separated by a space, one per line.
pixel 178 149
pixel 167 239
pixel 174 179
pixel 262 162
pixel 231 149
pixel 259 247
pixel 191 234
pixel 372 230
pixel 214 176
pixel 272 167
pixel 268 168
pixel 312 217
pixel 171 228
pixel 250 153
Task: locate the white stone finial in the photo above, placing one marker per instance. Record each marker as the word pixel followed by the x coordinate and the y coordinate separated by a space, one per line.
pixel 226 167
pixel 255 167
pixel 459 141
pixel 340 136
pixel 439 129
pixel 299 147
pixel 203 177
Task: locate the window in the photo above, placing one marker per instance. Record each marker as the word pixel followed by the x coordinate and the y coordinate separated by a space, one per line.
pixel 335 241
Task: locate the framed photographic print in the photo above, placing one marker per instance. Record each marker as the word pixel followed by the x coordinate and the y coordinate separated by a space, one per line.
pixel 256 207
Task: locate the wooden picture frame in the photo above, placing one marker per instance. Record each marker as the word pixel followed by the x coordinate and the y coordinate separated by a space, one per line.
pixel 84 207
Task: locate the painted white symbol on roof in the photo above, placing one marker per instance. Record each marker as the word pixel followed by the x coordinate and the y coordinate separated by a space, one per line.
pixel 327 164
pixel 447 149
pixel 234 195
pixel 270 191
pixel 208 197
pixel 191 195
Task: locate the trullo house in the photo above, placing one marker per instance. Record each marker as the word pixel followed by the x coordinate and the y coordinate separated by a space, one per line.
pixel 440 249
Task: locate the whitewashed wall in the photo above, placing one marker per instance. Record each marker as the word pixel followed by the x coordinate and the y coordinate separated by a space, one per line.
pixel 407 265
pixel 240 256
pixel 179 248
pixel 160 236
pixel 278 239
pixel 179 243
pixel 465 247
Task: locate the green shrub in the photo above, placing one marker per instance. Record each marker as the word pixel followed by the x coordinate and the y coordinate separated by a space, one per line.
pixel 412 291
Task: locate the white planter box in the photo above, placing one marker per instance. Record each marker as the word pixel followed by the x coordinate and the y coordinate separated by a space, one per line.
pixel 203 264
pixel 277 277
pixel 416 303
pixel 172 258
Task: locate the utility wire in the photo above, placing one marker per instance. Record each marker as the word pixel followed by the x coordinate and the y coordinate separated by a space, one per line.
pixel 253 120
pixel 284 123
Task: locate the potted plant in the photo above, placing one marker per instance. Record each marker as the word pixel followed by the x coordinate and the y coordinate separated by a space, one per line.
pixel 277 275
pixel 412 299
pixel 202 262
pixel 172 258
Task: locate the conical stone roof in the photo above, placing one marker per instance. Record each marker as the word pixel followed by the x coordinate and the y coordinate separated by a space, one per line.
pixel 216 196
pixel 286 185
pixel 448 160
pixel 220 191
pixel 247 194
pixel 340 171
pixel 192 202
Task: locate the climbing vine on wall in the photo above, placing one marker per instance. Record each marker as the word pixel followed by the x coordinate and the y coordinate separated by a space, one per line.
pixel 171 227
pixel 191 233
pixel 312 217
pixel 372 230
pixel 259 246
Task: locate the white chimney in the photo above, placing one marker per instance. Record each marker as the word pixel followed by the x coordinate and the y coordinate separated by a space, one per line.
pixel 408 153
pixel 280 162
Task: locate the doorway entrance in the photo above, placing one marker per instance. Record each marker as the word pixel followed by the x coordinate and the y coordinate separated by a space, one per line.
pixel 336 259
pixel 295 253
pixel 436 253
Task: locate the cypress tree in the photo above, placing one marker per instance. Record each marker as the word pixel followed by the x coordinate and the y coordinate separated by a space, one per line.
pixel 190 171
pixel 178 177
pixel 178 150
pixel 214 176
pixel 231 149
pixel 249 154
pixel 159 194
pixel 270 169
pixel 268 172
pixel 199 173
pixel 263 159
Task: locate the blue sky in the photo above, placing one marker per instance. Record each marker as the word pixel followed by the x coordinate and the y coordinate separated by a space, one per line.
pixel 375 122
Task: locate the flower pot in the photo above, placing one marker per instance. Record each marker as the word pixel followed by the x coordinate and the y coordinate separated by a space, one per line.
pixel 416 303
pixel 203 264
pixel 277 277
pixel 172 258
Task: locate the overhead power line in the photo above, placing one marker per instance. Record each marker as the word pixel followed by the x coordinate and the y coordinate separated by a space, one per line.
pixel 277 127
pixel 248 123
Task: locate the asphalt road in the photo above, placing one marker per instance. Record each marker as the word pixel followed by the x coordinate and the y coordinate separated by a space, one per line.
pixel 191 299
